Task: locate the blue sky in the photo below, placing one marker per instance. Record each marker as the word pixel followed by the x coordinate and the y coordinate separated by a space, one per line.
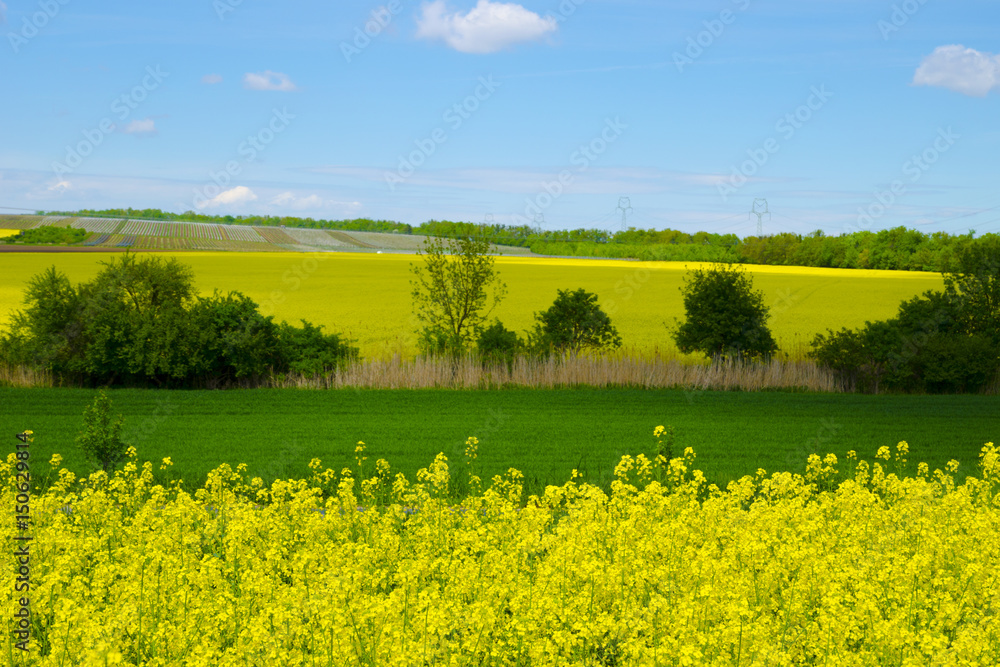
pixel 842 114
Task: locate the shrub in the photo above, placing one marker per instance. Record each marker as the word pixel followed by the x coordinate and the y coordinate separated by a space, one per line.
pixel 725 317
pixel 101 437
pixel 138 323
pixel 574 322
pixel 497 344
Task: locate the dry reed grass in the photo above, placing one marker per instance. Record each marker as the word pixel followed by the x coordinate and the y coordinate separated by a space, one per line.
pixel 24 377
pixel 650 373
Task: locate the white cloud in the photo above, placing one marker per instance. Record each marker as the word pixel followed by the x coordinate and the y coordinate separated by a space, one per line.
pixel 3 12
pixel 288 200
pixel 238 195
pixel 268 80
pixel 211 78
pixel 144 126
pixel 962 70
pixel 488 27
pixel 60 187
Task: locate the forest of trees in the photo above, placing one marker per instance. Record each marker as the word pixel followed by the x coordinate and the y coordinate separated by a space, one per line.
pixel 898 248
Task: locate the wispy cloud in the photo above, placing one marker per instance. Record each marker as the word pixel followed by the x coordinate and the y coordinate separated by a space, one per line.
pixel 268 80
pixel 487 28
pixel 211 78
pixel 144 126
pixel 289 200
pixel 311 203
pixel 530 181
pixel 238 195
pixel 3 12
pixel 960 69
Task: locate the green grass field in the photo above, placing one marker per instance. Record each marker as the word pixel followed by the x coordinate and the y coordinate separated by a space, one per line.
pixel 544 433
pixel 368 296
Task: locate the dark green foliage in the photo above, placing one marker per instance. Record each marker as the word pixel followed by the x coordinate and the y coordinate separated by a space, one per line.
pixel 975 287
pixel 956 364
pixel 725 317
pixel 101 437
pixel 309 351
pixel 47 333
pixel 941 342
pixel 138 323
pixel 574 322
pixel 47 235
pixel 235 341
pixel 496 344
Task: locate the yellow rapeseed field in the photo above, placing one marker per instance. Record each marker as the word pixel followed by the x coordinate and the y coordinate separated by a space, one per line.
pixel 368 295
pixel 360 567
pixel 9 232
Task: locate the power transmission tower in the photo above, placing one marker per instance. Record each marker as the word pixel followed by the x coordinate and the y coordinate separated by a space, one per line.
pixel 539 223
pixel 625 206
pixel 486 225
pixel 759 209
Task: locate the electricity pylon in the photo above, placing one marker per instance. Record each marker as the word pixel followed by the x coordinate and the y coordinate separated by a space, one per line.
pixel 759 209
pixel 625 206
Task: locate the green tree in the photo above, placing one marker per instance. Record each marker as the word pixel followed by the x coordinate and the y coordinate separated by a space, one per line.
pixel 725 316
pixel 454 292
pixel 574 322
pixel 46 333
pixel 975 287
pixel 133 320
pixel 101 436
pixel 496 344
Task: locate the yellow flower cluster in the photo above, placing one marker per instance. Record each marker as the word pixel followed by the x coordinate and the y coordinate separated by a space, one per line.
pixel 874 569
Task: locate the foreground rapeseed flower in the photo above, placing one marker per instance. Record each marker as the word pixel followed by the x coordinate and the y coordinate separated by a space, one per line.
pixel 853 567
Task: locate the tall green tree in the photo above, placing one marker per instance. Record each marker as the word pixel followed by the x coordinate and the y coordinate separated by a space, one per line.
pixel 975 287
pixel 725 316
pixel 574 322
pixel 454 292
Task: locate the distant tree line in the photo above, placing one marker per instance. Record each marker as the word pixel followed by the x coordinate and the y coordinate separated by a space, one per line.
pixel 891 249
pixel 139 323
pixel 47 235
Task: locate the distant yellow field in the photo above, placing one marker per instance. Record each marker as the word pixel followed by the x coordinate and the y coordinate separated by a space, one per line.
pixel 9 232
pixel 368 296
